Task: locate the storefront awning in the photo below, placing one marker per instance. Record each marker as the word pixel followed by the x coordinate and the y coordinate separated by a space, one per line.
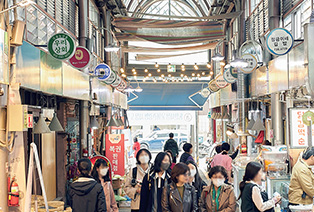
pixel 162 96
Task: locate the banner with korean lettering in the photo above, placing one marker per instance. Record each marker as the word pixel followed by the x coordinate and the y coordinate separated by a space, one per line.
pixel 115 152
pixel 299 131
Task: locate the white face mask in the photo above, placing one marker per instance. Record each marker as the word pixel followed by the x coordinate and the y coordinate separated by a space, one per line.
pixel 103 172
pixel 144 159
pixel 193 172
pixel 218 182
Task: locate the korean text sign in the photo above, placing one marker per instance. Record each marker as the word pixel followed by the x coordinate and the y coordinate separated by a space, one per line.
pixel 115 152
pixel 299 131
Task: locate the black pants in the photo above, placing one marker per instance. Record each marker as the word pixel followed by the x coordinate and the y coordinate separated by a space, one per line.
pixel 135 210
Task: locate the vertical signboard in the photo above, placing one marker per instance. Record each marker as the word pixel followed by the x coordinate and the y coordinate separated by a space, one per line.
pixel 299 131
pixel 115 152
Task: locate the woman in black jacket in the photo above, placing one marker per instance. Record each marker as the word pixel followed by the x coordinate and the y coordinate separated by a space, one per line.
pixel 179 196
pixel 153 184
pixel 195 179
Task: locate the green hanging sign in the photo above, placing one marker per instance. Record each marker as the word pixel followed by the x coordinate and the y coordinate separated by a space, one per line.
pixel 61 46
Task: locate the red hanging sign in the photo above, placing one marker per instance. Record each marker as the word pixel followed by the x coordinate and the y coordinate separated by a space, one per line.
pixel 81 58
pixel 115 152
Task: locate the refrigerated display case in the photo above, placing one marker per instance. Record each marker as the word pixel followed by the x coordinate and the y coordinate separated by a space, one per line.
pixel 280 185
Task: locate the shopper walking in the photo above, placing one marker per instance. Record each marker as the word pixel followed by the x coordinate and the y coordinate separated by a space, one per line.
pixel 134 180
pixel 101 174
pixel 218 196
pixel 195 179
pixel 85 194
pixel 252 197
pixel 172 145
pixel 187 155
pixel 301 189
pixel 179 196
pixel 223 159
pixel 153 184
pixel 136 146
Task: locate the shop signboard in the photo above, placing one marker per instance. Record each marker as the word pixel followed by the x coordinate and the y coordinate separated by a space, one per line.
pixel 105 74
pixel 234 72
pixel 205 92
pixel 115 152
pixel 220 81
pixel 117 82
pixel 81 58
pixel 252 63
pixel 213 86
pixel 61 46
pixel 122 85
pixel 171 68
pixel 228 77
pixel 279 41
pixel 299 131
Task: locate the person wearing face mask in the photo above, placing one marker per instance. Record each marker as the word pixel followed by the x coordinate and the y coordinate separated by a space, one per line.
pixel 153 184
pixel 195 179
pixel 218 196
pixel 253 198
pixel 179 196
pixel 101 174
pixel 301 189
pixel 134 180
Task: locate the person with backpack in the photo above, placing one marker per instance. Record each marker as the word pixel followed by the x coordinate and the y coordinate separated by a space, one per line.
pixel 218 196
pixel 187 155
pixel 179 196
pixel 153 184
pixel 85 194
pixel 253 199
pixel 134 180
pixel 172 145
pixel 101 174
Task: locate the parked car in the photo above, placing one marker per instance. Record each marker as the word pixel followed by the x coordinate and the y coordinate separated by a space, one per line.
pixel 155 141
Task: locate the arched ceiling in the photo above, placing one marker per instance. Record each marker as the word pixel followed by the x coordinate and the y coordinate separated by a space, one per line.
pixel 194 8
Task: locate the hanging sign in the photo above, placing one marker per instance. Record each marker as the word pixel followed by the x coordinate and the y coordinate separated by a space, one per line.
pixel 299 131
pixel 205 92
pixel 105 74
pixel 171 68
pixel 279 41
pixel 115 152
pixel 252 63
pixel 117 82
pixel 213 86
pixel 228 77
pixel 30 121
pixel 220 81
pixel 122 86
pixel 61 46
pixel 234 72
pixel 81 58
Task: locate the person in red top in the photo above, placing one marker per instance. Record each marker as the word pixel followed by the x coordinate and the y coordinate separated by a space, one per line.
pixel 136 147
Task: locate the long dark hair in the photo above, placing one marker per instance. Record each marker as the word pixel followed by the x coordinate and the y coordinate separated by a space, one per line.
pixel 197 177
pixel 251 170
pixel 157 164
pixel 95 175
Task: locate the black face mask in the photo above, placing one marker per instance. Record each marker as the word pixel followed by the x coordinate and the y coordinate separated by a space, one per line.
pixel 165 166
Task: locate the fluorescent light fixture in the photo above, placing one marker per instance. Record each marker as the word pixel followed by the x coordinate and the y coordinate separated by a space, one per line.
pixel 218 57
pixel 112 48
pixel 238 63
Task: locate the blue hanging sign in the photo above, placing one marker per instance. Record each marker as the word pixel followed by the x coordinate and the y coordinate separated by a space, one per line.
pixel 105 74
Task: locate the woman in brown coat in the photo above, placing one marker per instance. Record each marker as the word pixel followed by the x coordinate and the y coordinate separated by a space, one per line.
pixel 133 183
pixel 218 196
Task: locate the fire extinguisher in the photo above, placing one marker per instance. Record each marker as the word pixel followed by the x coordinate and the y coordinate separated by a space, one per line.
pixel 13 192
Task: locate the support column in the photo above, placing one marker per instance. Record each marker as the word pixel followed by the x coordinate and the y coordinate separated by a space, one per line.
pixel 276 115
pixel 3 161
